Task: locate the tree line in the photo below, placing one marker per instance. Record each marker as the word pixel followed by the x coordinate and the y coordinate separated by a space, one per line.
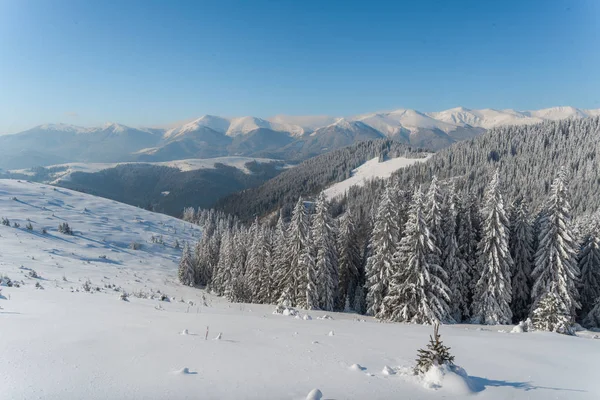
pixel 412 255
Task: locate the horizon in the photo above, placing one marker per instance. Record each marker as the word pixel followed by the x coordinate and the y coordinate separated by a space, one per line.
pixel 150 64
pixel 175 124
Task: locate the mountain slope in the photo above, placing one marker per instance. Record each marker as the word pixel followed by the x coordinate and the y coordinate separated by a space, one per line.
pixel 288 137
pixel 96 346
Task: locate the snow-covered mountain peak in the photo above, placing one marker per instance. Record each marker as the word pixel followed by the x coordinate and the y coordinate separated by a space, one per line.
pixel 61 127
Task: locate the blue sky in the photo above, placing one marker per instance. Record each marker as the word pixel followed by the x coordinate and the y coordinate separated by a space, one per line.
pixel 154 62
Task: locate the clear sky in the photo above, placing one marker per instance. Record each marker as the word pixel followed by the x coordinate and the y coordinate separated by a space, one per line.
pixel 153 62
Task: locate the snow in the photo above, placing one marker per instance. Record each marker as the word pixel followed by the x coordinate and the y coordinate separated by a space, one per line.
pixel 391 123
pixel 63 342
pixel 63 171
pixel 370 170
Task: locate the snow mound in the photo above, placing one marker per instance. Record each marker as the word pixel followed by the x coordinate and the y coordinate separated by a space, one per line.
pixel 449 378
pixel 306 317
pixel 184 371
pixel 314 394
pixel 357 367
pixel 517 329
pixel 325 317
pixel 331 333
pixel 387 370
pixel 219 336
pixel 185 332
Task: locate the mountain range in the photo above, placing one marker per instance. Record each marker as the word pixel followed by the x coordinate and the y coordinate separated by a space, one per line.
pixel 281 137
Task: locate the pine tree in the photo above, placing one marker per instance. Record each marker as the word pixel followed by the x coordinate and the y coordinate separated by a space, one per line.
pixel 417 291
pixel 589 264
pixel 436 354
pixel 279 262
pixel 467 238
pixel 453 263
pixel 491 303
pixel 323 236
pixel 257 262
pixel 223 275
pixel 383 244
pixel 433 215
pixel 186 271
pixel 294 277
pixel 556 266
pixel 521 251
pixel 349 259
pixel 312 285
pixel 592 319
pixel 265 275
pixel 551 313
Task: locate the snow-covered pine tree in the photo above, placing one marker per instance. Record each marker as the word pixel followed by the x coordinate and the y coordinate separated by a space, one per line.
pixel 453 263
pixel 265 275
pixel 323 233
pixel 432 209
pixel 223 275
pixel 521 251
pixel 467 238
pixel 278 260
pixel 294 278
pixel 589 264
pixel 257 262
pixel 491 302
pixel 417 293
pixel 592 319
pixel 382 247
pixel 348 261
pixel 186 271
pixel 312 301
pixel 555 260
pixel 551 313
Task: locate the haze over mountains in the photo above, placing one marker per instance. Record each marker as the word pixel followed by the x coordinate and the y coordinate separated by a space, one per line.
pixel 282 137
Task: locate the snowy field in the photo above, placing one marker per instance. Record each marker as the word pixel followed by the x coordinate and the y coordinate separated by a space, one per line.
pixel 369 170
pixel 64 171
pixel 63 342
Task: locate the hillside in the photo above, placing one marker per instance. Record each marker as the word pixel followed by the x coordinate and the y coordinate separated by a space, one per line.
pixel 96 346
pixel 310 177
pixel 371 169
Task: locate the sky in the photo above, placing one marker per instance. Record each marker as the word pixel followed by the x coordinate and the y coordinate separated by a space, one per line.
pixel 146 63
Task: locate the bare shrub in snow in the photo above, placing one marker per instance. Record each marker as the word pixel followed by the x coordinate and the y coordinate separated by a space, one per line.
pixel 16 225
pixel 135 246
pixel 87 286
pixel 39 286
pixel 5 221
pixel 29 227
pixel 436 353
pixel 124 296
pixel 44 231
pixel 34 274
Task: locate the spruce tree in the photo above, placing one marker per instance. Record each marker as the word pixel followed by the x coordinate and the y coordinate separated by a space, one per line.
pixel 257 262
pixel 491 303
pixel 521 250
pixel 349 259
pixel 186 271
pixel 294 278
pixel 556 266
pixel 453 263
pixel 592 319
pixel 323 234
pixel 417 292
pixel 432 210
pixel 551 314
pixel 382 247
pixel 265 275
pixel 589 264
pixel 279 262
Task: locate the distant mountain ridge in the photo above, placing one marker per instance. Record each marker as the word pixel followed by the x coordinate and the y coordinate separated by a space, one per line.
pixel 282 137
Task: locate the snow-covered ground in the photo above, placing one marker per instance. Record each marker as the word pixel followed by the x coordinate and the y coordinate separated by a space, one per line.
pixel 369 170
pixel 62 342
pixel 64 171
